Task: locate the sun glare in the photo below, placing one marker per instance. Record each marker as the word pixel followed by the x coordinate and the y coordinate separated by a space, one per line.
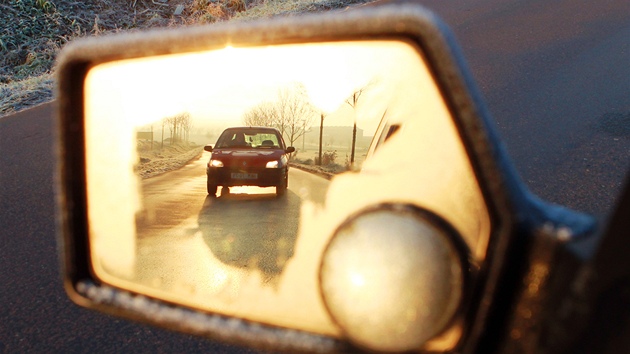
pixel 220 85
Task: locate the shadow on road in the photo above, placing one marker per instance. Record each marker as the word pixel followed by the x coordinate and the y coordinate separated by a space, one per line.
pixel 252 231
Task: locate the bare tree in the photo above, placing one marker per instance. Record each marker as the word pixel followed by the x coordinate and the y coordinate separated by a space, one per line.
pixel 261 115
pixel 296 111
pixel 170 124
pixel 186 125
pixel 292 113
pixel 179 126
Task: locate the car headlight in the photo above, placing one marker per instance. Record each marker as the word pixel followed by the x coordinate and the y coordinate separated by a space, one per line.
pixel 215 163
pixel 273 164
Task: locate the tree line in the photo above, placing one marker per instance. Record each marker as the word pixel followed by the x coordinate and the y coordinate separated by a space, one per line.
pixel 179 127
pixel 292 114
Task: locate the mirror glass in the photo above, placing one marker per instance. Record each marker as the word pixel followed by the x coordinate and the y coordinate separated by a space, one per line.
pixel 155 230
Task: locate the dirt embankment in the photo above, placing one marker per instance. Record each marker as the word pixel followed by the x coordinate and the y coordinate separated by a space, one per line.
pixel 158 159
pixel 327 172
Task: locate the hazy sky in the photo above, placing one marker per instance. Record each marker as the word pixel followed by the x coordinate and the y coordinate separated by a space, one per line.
pixel 218 86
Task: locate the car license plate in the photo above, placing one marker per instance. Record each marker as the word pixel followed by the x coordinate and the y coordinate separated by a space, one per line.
pixel 245 175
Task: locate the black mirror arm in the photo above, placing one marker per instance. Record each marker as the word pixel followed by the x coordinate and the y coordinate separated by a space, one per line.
pixel 606 323
pixel 550 283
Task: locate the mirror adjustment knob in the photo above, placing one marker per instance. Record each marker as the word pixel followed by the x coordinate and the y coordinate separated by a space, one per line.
pixel 391 278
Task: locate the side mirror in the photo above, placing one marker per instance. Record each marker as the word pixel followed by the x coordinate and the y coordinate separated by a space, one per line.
pixel 208 148
pixel 429 247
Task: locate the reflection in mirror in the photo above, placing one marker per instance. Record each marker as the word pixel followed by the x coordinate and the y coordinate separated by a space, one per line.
pixel 247 252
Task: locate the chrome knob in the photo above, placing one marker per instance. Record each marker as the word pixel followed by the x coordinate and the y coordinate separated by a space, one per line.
pixel 391 278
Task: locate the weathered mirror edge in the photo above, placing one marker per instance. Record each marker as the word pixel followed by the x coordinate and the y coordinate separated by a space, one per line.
pixel 417 24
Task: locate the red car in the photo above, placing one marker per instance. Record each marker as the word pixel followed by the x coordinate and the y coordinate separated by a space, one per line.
pixel 249 156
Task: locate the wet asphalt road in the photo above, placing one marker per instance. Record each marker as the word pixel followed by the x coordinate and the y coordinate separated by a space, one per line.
pixel 554 76
pixel 237 253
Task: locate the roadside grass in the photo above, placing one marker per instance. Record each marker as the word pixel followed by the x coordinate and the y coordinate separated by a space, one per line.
pixel 18 95
pixel 333 161
pixel 155 159
pixel 32 32
pixel 271 8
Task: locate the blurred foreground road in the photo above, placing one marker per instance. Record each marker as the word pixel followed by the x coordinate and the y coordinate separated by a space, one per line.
pixel 239 253
pixel 555 78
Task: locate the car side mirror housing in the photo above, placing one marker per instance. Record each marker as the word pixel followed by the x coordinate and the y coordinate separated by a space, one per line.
pixel 429 247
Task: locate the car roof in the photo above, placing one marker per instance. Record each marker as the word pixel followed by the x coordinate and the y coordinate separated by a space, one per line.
pixel 271 129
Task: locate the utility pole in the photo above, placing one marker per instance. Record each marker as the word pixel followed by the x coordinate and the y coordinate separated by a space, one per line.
pixel 352 102
pixel 354 140
pixel 162 144
pixel 321 132
pixel 303 133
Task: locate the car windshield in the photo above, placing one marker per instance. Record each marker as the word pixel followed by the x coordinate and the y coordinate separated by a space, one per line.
pixel 248 138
